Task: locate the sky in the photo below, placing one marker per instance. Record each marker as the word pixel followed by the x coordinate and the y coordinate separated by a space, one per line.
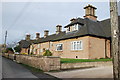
pixel 19 18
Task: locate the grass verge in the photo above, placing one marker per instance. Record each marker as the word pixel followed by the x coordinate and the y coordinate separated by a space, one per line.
pixel 66 60
pixel 32 69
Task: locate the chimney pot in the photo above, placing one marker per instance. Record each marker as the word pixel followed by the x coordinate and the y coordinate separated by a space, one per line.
pixel 37 36
pixel 27 38
pixel 90 12
pixel 59 29
pixel 46 32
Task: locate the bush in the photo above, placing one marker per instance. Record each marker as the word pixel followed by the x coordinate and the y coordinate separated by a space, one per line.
pixel 17 48
pixel 7 50
pixel 4 51
pixel 24 53
pixel 47 53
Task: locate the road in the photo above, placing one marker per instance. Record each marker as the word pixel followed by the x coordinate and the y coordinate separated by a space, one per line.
pixel 97 72
pixel 11 69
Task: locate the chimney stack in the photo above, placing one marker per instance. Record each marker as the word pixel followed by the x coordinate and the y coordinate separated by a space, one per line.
pixel 90 12
pixel 27 38
pixel 37 36
pixel 58 29
pixel 46 32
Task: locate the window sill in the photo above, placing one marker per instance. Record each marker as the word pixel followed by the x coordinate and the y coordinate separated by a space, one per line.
pixel 76 50
pixel 59 51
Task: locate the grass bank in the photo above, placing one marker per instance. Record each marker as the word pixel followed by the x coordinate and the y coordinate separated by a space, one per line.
pixel 32 69
pixel 66 60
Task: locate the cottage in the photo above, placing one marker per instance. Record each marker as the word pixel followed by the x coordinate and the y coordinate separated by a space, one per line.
pixel 84 38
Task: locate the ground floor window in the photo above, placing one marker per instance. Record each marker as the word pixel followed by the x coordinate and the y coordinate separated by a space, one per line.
pixel 59 47
pixel 76 45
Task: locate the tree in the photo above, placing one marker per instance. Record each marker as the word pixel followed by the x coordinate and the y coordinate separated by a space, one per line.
pixel 47 53
pixel 17 48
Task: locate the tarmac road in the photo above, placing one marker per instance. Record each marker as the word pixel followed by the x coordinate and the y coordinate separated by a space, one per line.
pixel 11 69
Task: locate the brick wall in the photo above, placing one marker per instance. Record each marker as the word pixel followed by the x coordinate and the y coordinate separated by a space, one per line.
pixel 44 63
pixel 52 63
pixel 84 64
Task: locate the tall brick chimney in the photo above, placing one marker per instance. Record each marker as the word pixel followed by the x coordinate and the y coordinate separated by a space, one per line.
pixel 46 32
pixel 37 36
pixel 27 38
pixel 90 12
pixel 58 29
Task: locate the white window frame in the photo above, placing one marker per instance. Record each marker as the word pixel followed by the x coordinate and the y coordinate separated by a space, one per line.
pixel 68 29
pixel 38 45
pixel 76 44
pixel 75 27
pixel 58 45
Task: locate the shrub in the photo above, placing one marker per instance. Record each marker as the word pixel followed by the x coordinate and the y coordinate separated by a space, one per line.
pixel 7 50
pixel 4 51
pixel 47 53
pixel 17 48
pixel 24 53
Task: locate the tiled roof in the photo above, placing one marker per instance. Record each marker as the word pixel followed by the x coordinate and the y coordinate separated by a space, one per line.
pixel 88 27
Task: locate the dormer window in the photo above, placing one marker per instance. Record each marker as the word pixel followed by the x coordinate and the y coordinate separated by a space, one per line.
pixel 68 29
pixel 75 27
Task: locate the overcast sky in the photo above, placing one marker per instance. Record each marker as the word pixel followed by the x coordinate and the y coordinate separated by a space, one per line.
pixel 19 18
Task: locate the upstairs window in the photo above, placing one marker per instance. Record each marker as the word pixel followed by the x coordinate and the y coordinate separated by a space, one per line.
pixel 59 47
pixel 75 27
pixel 76 45
pixel 68 29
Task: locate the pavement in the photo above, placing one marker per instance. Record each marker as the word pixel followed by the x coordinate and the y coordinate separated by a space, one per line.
pixel 97 72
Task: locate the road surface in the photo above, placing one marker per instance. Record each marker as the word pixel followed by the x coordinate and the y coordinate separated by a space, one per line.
pixel 11 69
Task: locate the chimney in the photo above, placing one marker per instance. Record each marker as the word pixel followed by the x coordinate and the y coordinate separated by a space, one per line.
pixel 72 19
pixel 46 32
pixel 58 29
pixel 37 36
pixel 27 38
pixel 90 12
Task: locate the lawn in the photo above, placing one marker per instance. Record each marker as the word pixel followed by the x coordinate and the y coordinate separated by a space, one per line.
pixel 66 60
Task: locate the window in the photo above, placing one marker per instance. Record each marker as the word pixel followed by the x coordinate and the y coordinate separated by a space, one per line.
pixel 75 27
pixel 68 29
pixel 76 45
pixel 59 47
pixel 38 46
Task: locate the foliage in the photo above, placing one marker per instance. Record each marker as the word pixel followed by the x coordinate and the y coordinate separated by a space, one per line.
pixel 4 51
pixel 10 49
pixel 24 53
pixel 7 50
pixel 47 53
pixel 65 60
pixel 17 48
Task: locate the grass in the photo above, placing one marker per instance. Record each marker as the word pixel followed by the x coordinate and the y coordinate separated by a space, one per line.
pixel 32 69
pixel 66 60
